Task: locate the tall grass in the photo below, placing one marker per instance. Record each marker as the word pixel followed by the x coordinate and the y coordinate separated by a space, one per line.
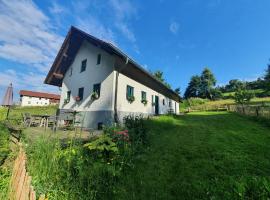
pixel 72 170
pixel 5 171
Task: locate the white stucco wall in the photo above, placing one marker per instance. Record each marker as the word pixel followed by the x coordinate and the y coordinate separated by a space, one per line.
pixel 137 106
pixel 34 101
pixel 102 73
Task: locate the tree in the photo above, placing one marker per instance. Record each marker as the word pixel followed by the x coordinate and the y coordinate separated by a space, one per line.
pixel 267 79
pixel 193 87
pixel 208 81
pixel 216 93
pixel 178 91
pixel 242 96
pixel 234 85
pixel 159 76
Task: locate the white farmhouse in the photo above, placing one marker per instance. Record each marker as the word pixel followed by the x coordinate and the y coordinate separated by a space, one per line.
pixel 31 98
pixel 102 82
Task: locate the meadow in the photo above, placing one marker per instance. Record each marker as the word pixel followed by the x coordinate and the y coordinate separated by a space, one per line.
pixel 17 111
pixel 204 155
pixel 200 155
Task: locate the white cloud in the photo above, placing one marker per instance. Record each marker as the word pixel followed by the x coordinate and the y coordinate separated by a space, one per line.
pixel 126 31
pixel 174 27
pixel 26 34
pixel 29 81
pixel 93 26
pixel 123 11
pixel 57 9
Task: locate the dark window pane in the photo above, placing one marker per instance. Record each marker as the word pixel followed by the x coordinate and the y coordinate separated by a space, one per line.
pixel 83 66
pixel 143 95
pixel 80 93
pixel 163 101
pixel 68 95
pixel 130 91
pixel 98 59
pixel 96 88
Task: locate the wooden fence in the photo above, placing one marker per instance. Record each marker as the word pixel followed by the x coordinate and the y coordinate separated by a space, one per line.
pixel 251 110
pixel 20 185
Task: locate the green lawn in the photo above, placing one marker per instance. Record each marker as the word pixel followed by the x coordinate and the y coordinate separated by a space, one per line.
pixel 214 155
pixel 16 111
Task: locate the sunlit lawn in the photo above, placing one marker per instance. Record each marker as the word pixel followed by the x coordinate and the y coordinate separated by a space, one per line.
pixel 214 155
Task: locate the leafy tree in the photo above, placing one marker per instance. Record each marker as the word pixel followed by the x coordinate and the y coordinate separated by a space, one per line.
pixel 159 75
pixel 242 96
pixel 234 85
pixel 267 79
pixel 193 87
pixel 216 93
pixel 208 81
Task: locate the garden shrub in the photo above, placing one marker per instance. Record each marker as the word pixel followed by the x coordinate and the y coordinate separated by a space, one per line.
pixel 137 129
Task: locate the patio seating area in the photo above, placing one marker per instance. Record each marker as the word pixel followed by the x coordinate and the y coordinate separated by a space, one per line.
pixel 64 119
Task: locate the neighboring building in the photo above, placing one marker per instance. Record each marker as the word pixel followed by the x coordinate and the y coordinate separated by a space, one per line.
pixel 101 81
pixel 30 98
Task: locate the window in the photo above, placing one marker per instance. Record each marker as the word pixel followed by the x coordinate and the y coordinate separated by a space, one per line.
pixel 98 59
pixel 170 103
pixel 70 73
pixel 130 91
pixel 153 100
pixel 83 66
pixel 143 95
pixel 80 93
pixel 96 88
pixel 39 98
pixel 29 102
pixel 68 95
pixel 163 101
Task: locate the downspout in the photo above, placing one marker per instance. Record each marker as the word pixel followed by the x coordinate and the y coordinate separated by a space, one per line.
pixel 116 119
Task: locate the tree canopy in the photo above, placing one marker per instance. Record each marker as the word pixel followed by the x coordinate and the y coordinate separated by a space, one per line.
pixel 159 75
pixel 202 86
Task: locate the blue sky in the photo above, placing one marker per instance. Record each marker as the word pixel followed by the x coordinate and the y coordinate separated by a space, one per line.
pixel 179 37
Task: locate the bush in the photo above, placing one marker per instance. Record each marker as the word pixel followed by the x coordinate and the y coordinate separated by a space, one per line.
pixel 137 130
pixel 243 96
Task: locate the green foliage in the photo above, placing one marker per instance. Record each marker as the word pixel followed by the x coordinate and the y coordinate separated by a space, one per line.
pixel 5 176
pixel 202 86
pixel 193 87
pixel 89 171
pixel 137 130
pixel 103 147
pixel 159 76
pixel 74 171
pixel 208 81
pixel 267 79
pixel 131 99
pixel 144 101
pixel 16 111
pixel 243 96
pixel 201 156
pixel 4 143
pixel 5 172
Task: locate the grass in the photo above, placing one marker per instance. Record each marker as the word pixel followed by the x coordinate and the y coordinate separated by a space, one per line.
pixel 219 103
pixel 202 156
pixel 5 168
pixel 16 111
pixel 256 91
